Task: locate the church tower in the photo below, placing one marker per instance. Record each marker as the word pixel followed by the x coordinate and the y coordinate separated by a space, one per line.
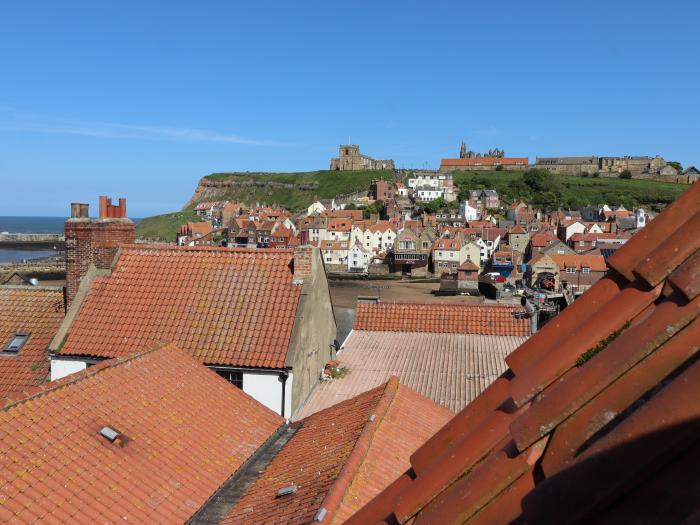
pixel 463 151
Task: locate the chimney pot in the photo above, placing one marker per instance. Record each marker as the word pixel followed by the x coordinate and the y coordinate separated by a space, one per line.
pixel 78 210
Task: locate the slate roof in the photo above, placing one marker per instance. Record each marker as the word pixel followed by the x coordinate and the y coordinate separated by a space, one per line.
pixel 187 431
pixel 449 368
pixel 496 319
pixel 225 306
pixel 568 435
pixel 37 311
pixel 341 457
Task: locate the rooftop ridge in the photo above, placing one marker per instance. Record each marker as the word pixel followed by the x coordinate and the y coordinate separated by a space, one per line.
pixel 449 306
pixel 334 497
pixel 19 398
pixel 38 288
pixel 222 249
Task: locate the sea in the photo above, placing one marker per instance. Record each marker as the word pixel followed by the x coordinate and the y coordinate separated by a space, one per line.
pixel 28 225
pixel 18 224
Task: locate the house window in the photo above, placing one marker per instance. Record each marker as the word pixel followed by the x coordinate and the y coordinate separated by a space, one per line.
pixel 586 270
pixel 235 378
pixel 16 343
pixel 571 269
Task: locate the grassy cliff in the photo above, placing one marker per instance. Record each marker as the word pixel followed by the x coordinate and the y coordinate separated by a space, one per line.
pixel 164 227
pixel 295 191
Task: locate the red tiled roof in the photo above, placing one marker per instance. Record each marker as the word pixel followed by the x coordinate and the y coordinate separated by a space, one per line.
pixel 485 161
pixel 517 230
pixel 571 435
pixel 187 431
pixel 595 262
pixel 449 368
pixel 341 225
pixel 339 459
pixel 36 311
pixel 542 240
pixel 576 237
pixel 441 318
pixel 335 245
pixel 447 244
pixel 194 228
pixel 224 306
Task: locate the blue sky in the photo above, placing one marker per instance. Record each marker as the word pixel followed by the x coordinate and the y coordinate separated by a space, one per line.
pixel 141 99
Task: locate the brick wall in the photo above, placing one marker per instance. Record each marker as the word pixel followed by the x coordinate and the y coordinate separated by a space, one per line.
pixel 94 241
pixel 303 261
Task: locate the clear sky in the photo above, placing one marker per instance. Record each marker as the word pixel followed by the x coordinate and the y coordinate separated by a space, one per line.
pixel 140 99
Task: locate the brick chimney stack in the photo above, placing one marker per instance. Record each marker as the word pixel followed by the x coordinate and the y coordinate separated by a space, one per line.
pixel 94 241
pixel 304 261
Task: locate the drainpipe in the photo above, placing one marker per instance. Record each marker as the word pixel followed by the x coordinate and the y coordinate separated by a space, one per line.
pixel 283 379
pixel 532 313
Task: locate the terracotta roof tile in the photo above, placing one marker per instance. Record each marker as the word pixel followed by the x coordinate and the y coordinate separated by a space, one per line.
pixel 340 457
pixel 36 311
pixel 610 385
pixel 441 318
pixel 224 306
pixel 186 432
pixel 450 369
pixel 595 262
pixel 484 161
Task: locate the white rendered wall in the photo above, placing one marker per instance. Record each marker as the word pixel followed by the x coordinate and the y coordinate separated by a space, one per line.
pixel 61 368
pixel 265 388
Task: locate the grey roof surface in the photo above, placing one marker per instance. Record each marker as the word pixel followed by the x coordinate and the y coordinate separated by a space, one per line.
pixel 451 369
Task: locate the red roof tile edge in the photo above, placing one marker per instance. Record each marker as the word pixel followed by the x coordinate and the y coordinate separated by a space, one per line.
pixel 31 393
pixel 331 502
pixel 168 247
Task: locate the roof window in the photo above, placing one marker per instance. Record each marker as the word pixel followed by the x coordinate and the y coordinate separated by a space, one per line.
pixel 16 343
pixel 286 491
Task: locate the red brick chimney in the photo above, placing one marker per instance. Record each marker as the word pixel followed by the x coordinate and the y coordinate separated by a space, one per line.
pixel 94 241
pixel 303 261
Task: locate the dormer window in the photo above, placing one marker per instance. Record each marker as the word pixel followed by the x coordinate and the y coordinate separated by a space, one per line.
pixel 16 343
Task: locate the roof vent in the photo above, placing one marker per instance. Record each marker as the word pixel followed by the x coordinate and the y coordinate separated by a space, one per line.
pixel 114 436
pixel 286 491
pixel 109 433
pixel 372 418
pixel 320 514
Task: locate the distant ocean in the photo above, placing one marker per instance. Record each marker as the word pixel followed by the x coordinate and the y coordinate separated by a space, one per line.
pixel 32 224
pixel 13 224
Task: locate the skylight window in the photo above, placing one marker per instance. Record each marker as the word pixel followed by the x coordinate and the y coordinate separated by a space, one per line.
pixel 16 343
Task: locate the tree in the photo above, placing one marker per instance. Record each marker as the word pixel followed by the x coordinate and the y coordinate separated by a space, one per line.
pixel 676 165
pixel 375 207
pixel 626 174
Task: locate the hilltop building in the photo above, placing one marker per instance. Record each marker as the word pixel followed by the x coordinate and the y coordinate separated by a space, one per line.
pixel 350 159
pixel 642 166
pixel 469 160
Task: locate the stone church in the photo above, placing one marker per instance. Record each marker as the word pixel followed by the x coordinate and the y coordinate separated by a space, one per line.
pixel 350 159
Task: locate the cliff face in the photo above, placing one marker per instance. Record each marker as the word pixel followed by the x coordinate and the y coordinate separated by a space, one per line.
pixel 240 183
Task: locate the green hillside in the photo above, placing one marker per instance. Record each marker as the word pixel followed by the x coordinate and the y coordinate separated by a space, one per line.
pixel 541 189
pixel 324 184
pixel 164 227
pixel 551 191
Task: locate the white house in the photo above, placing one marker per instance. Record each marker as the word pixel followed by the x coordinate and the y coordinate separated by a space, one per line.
pixel 428 193
pixel 470 213
pixel 436 180
pixel 358 258
pixel 335 252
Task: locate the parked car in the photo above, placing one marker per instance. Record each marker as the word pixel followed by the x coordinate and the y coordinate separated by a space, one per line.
pixel 499 279
pixel 508 287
